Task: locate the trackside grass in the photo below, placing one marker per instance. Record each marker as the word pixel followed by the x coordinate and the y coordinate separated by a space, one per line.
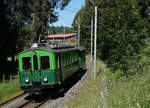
pixel 89 96
pixel 9 90
pixel 121 92
pixel 131 92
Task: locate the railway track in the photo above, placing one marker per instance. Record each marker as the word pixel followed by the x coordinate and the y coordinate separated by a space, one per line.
pixel 14 98
pixel 33 104
pixel 26 101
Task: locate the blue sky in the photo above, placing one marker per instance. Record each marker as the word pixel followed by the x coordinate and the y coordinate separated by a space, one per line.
pixel 67 15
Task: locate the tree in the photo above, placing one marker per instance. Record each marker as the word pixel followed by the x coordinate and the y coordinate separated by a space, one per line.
pixel 40 13
pixel 23 21
pixel 121 31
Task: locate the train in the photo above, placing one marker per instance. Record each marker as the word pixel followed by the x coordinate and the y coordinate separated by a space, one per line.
pixel 43 67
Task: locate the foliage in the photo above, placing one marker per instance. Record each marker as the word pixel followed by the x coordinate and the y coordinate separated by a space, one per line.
pixel 131 92
pixel 60 30
pixel 23 22
pixel 121 31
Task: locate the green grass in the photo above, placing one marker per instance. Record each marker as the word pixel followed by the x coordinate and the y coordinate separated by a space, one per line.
pixel 9 90
pixel 131 92
pixel 89 95
pixel 122 92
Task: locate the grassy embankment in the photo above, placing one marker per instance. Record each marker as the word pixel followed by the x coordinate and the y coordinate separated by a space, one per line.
pixel 9 90
pixel 89 96
pixel 122 92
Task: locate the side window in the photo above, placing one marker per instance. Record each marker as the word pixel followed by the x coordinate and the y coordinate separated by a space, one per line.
pixel 26 62
pixel 72 57
pixel 67 58
pixel 57 61
pixel 45 62
pixel 76 56
pixel 63 59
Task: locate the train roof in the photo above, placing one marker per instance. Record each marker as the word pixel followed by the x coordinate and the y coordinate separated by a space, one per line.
pixel 57 49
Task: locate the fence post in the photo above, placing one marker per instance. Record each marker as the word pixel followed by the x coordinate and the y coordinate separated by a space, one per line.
pixel 10 78
pixel 3 79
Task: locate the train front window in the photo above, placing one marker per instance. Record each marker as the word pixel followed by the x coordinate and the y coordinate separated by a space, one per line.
pixel 26 64
pixel 45 62
pixel 35 61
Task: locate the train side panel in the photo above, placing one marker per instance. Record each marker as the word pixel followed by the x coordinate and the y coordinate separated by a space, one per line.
pixel 82 58
pixel 69 63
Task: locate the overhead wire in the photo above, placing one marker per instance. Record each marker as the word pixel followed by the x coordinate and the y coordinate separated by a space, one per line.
pixel 69 10
pixel 72 8
pixel 39 24
pixel 43 20
pixel 65 20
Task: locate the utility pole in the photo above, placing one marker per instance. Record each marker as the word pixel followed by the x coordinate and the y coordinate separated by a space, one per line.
pixel 64 30
pixel 64 33
pixel 79 31
pixel 91 39
pixel 95 42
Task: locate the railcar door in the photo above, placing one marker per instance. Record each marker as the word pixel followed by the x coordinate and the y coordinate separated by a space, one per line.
pixel 36 74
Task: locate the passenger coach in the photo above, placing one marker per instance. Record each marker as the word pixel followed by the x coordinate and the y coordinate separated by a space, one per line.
pixel 44 67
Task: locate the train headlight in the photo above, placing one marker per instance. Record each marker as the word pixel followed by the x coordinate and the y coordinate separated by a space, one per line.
pixel 45 79
pixel 27 80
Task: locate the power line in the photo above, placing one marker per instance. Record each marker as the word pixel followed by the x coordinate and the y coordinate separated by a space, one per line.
pixel 44 19
pixel 69 10
pixel 65 20
pixel 72 8
pixel 39 24
pixel 69 15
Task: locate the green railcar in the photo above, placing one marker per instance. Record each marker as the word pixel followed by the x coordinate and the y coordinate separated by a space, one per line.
pixel 44 67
